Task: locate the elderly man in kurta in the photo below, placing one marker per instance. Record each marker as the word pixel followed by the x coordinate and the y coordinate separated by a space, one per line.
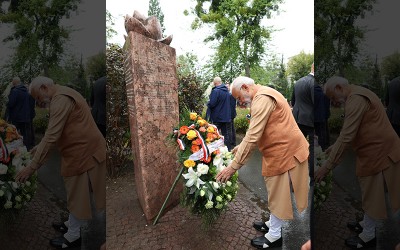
pixel 367 129
pixel 285 155
pixel 83 152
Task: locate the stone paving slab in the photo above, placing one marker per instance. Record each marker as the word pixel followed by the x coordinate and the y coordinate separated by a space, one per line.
pixel 331 223
pixel 127 227
pixel 32 228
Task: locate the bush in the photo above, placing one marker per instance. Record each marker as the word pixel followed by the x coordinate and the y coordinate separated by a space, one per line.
pixel 335 121
pixel 41 120
pixel 119 151
pixel 241 122
pixel 190 93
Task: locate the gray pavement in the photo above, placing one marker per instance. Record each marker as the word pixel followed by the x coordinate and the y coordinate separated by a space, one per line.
pixel 32 228
pixel 296 231
pixel 344 205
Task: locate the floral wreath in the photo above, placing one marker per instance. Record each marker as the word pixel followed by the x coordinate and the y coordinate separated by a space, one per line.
pixel 13 158
pixel 203 154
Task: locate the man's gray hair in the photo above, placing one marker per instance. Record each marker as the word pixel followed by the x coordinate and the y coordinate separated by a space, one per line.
pixel 16 80
pixel 239 81
pixel 334 81
pixel 217 80
pixel 39 81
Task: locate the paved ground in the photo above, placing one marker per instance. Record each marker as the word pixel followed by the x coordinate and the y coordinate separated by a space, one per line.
pixel 32 227
pixel 127 227
pixel 342 206
pixel 178 229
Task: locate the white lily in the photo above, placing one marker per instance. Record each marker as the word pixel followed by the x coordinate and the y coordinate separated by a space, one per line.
pixel 193 178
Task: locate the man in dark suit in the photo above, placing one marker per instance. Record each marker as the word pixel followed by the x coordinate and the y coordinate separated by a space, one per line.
pixel 393 103
pixel 21 111
pixel 219 108
pixel 98 103
pixel 303 112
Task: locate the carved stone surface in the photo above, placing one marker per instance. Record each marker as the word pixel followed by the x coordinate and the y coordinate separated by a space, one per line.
pixel 152 92
pixel 149 27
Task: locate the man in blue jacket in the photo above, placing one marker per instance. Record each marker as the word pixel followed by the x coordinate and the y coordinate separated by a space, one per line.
pixel 20 111
pixel 219 110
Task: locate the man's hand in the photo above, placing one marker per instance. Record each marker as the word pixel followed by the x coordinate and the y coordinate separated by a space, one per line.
pixel 321 172
pixel 24 174
pixel 235 149
pixel 328 150
pixel 225 174
pixel 33 150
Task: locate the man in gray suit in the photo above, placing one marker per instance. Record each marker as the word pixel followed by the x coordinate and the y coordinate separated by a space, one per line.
pixel 303 112
pixel 393 103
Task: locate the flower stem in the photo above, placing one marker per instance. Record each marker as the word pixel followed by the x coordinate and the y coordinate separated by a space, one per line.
pixel 169 193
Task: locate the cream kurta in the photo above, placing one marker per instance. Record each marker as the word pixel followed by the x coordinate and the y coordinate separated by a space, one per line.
pixel 83 153
pixel 270 112
pixel 367 129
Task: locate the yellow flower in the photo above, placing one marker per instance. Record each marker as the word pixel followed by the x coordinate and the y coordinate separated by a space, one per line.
pixel 189 163
pixel 191 135
pixel 210 129
pixel 201 122
pixel 193 116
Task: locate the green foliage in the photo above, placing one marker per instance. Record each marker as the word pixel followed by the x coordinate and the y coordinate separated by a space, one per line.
pixel 299 66
pixel 241 122
pixel 391 66
pixel 40 121
pixel 190 93
pixel 118 137
pixel 239 36
pixel 336 35
pixel 96 66
pixel 110 32
pixel 190 86
pixel 241 125
pixel 155 10
pixel 39 36
pixel 335 121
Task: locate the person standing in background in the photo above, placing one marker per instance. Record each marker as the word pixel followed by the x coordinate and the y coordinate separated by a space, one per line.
pixel 98 103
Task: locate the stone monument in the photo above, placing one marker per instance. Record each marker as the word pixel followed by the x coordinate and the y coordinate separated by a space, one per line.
pixel 152 94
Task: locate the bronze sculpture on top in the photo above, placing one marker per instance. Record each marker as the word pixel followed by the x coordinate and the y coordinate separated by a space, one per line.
pixel 149 27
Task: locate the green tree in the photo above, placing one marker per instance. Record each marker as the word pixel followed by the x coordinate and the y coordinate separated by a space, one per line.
pixel 190 86
pixel 336 36
pixel 238 34
pixel 110 32
pixel 96 66
pixel 155 10
pixel 391 66
pixel 39 36
pixel 299 66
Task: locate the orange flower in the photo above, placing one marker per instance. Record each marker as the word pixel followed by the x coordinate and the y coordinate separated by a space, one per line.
pixel 210 137
pixel 208 160
pixel 195 148
pixel 184 129
pixel 202 129
pixel 216 152
pixel 210 129
pixel 197 142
